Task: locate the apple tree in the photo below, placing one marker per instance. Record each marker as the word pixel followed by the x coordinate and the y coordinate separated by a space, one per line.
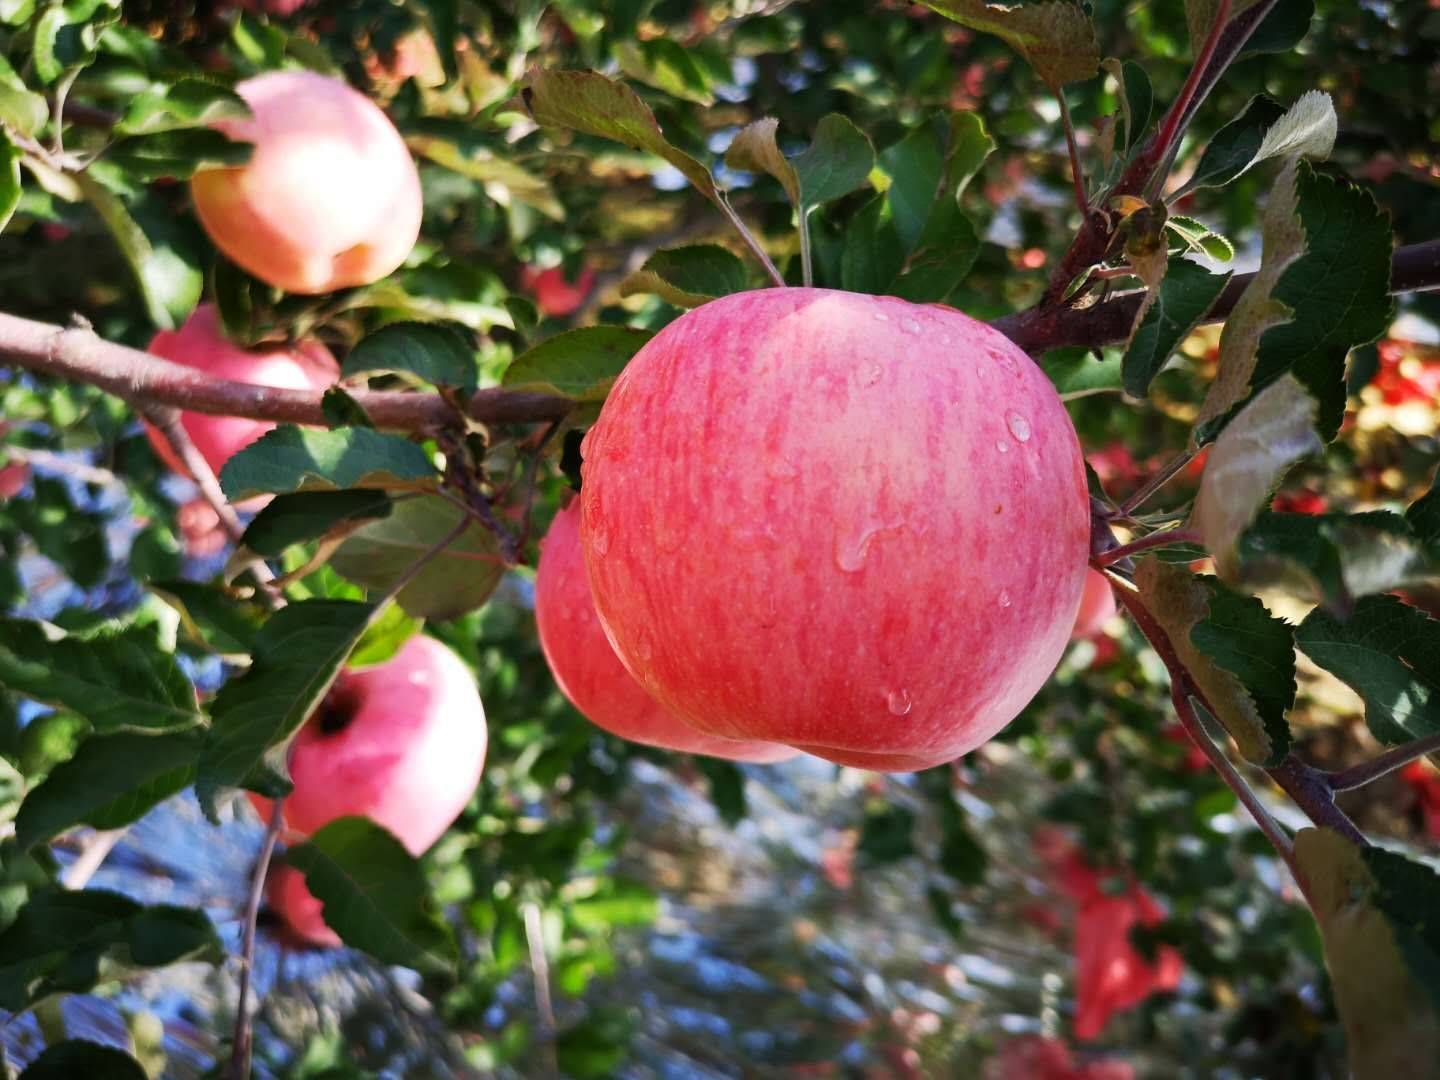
pixel 420 423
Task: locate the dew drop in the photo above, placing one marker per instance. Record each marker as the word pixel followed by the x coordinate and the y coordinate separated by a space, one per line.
pixel 1018 425
pixel 599 536
pixel 1004 597
pixel 882 317
pixel 871 374
pixel 899 702
pixel 1004 359
pixel 909 325
pixel 851 549
pixel 1002 446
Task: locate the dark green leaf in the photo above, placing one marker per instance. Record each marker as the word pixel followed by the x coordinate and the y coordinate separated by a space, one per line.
pixel 437 353
pixel 727 787
pixel 837 161
pixel 9 178
pixel 1232 148
pixel 1141 99
pixel 211 617
pixel 1058 39
pixel 1077 372
pixel 598 1045
pixel 947 250
pixel 1332 558
pixel 1423 516
pixel 176 154
pixel 1185 295
pixel 119 680
pixel 375 894
pixel 872 257
pixel 579 364
pixel 187 103
pixel 888 834
pixel 111 781
pixel 78 1057
pixel 688 276
pixel 916 166
pixel 309 515
pixel 290 459
pixel 1282 29
pixel 1407 893
pixel 341 410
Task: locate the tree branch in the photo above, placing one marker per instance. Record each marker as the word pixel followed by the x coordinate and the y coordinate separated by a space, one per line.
pixel 240 1044
pixel 1368 771
pixel 1415 267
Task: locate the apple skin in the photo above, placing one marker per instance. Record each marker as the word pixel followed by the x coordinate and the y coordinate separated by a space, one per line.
pixel 409 757
pixel 845 523
pixel 302 913
pixel 590 674
pixel 330 197
pixel 1097 606
pixel 554 295
pixel 201 344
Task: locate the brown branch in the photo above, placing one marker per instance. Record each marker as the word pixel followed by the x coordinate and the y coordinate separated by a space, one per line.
pixel 167 422
pixel 240 1043
pixel 79 355
pixel 1369 771
pixel 1415 267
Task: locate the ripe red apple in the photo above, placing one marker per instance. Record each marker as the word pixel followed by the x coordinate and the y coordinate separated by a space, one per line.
pixel 402 743
pixel 1097 606
pixel 303 915
pixel 13 479
pixel 845 523
pixel 590 674
pixel 554 295
pixel 329 198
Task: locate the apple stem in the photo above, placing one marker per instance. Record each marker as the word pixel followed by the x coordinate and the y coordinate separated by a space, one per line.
pixel 1155 483
pixel 540 973
pixel 241 1043
pixel 1372 770
pixel 1077 176
pixel 1164 538
pixel 807 267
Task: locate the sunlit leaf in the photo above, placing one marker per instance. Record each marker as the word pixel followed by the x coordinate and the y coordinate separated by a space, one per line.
pixel 290 459
pixel 579 364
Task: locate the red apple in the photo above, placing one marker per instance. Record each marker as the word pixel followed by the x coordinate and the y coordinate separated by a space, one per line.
pixel 1097 606
pixel 329 198
pixel 13 479
pixel 590 674
pixel 201 344
pixel 554 295
pixel 845 523
pixel 302 913
pixel 402 743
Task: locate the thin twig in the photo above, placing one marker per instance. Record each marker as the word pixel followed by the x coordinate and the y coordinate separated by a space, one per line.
pixel 751 242
pixel 1155 483
pixel 531 468
pixel 1077 177
pixel 1369 771
pixel 241 1044
pixel 52 462
pixel 92 854
pixel 1163 538
pixel 459 476
pixel 167 422
pixel 1172 126
pixel 540 973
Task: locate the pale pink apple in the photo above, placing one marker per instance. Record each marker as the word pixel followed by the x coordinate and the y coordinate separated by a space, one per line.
pixel 302 914
pixel 590 674
pixel 554 294
pixel 1097 606
pixel 202 345
pixel 845 523
pixel 330 196
pixel 402 743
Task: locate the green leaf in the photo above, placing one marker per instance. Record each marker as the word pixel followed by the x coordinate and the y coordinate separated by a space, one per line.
pixel 598 1045
pixel 1282 29
pixel 187 103
pixel 1389 653
pixel 374 894
pixel 1056 37
pixel 79 1057
pixel 1198 237
pixel 579 364
pixel 437 353
pixel 1248 462
pixel 887 834
pixel 20 108
pixel 1232 149
pixel 587 101
pixel 290 459
pixel 9 178
pixel 1332 558
pixel 916 167
pixel 619 903
pixel 1200 17
pixel 688 276
pixel 1140 97
pixel 1376 914
pixel 754 149
pixel 211 617
pixel 63 941
pixel 119 680
pixel 1184 296
pixel 665 65
pixel 176 154
pixel 1423 517
pixel 1078 372
pixel 837 161
pixel 308 515
pixel 947 250
pixel 871 258
pixel 727 787
pixel 297 655
pixel 384 638
pixel 503 180
pixel 1241 636
pixel 111 781
pixel 341 410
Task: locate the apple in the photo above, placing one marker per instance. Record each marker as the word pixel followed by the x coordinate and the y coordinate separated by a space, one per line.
pixel 848 524
pixel 13 479
pixel 554 295
pixel 302 914
pixel 590 674
pixel 402 743
pixel 1036 1057
pixel 201 344
pixel 330 197
pixel 1097 606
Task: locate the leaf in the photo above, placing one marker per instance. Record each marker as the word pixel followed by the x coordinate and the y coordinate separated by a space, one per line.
pixel 297 655
pixel 290 459
pixel 1057 38
pixel 754 149
pixel 119 680
pixel 578 364
pixel 457 580
pixel 1241 636
pixel 20 109
pixel 589 102
pixel 80 1057
pixel 437 353
pixel 187 103
pixel 374 894
pixel 1198 237
pixel 1078 372
pixel 688 276
pixel 111 781
pixel 211 617
pixel 1180 601
pixel 1376 914
pixel 1332 558
pixel 620 903
pixel 1232 149
pixel 503 180
pixel 384 638
pixel 1184 296
pixel 947 250
pixel 871 258
pixel 1307 129
pixel 665 65
pixel 341 410
pixel 1248 461
pixel 1389 653
pixel 9 178
pixel 727 787
pixel 916 167
pixel 176 154
pixel 837 161
pixel 1282 29
pixel 887 835
pixel 308 515
pixel 63 941
pixel 1136 86
pixel 1200 17
pixel 170 283
pixel 1423 516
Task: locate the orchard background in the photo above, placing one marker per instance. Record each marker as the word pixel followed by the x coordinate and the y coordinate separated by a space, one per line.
pixel 1207 847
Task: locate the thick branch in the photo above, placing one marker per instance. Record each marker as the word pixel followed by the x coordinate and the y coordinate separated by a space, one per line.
pixel 1415 267
pixel 141 379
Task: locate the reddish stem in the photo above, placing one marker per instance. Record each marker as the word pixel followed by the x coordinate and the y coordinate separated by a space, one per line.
pixel 1388 762
pixel 1146 543
pixel 1172 127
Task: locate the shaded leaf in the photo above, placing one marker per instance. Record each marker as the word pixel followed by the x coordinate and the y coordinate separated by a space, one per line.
pixel 1184 296
pixel 688 276
pixel 211 617
pixel 186 103
pixel 1241 636
pixel 1078 372
pixel 79 1057
pixel 1232 149
pixel 727 787
pixel 1056 37
pixel 502 179
pixel 579 364
pixel 754 149
pixel 290 459
pixel 1332 558
pixel 9 178
pixel 437 353
pixel 837 161
pixel 341 410
pixel 309 515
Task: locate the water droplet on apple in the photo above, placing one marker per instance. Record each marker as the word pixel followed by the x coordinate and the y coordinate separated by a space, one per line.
pixel 1004 597
pixel 909 325
pixel 599 536
pixel 1004 359
pixel 899 702
pixel 1018 425
pixel 1002 446
pixel 851 550
pixel 882 317
pixel 871 374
